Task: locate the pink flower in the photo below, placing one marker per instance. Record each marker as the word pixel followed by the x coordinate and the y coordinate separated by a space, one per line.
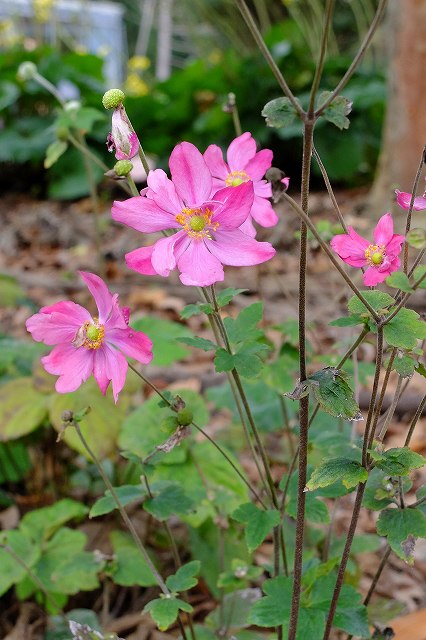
pixel 122 139
pixel 208 235
pixel 86 344
pixel 244 164
pixel 380 258
pixel 404 199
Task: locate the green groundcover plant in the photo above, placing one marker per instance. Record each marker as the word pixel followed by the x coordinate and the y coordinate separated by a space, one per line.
pixel 262 544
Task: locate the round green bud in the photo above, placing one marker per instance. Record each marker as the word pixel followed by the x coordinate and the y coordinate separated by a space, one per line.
pixel 113 98
pixel 123 167
pixel 169 424
pixel 184 417
pixel 26 71
pixel 62 133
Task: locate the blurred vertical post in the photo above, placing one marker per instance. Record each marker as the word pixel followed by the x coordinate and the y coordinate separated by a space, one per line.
pixel 147 12
pixel 404 134
pixel 164 39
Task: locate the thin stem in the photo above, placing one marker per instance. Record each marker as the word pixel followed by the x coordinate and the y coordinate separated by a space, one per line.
pixel 144 161
pixel 50 88
pixel 377 576
pixel 123 513
pixel 133 187
pixel 417 262
pixel 330 254
pixel 233 108
pixel 379 356
pixel 381 397
pixel 410 208
pixel 414 421
pixel 329 189
pixel 390 411
pixel 268 57
pixel 286 419
pixel 403 300
pixel 204 433
pixel 323 49
pixel 357 59
pixel 344 561
pixel 86 151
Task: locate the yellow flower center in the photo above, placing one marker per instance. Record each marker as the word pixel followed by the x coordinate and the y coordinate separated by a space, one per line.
pixel 90 335
pixel 375 254
pixel 197 223
pixel 236 178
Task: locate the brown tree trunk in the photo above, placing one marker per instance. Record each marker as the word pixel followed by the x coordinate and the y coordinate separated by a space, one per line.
pixel 405 124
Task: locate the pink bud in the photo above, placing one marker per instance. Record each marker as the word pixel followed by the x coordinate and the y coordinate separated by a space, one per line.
pixel 122 139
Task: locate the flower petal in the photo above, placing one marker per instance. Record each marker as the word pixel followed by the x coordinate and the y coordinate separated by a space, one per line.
pixel 115 368
pixel 213 157
pixel 103 297
pixel 190 174
pixel 198 266
pixel 394 246
pixel 238 249
pixel 163 256
pixel 99 370
pixel 134 344
pixel 384 230
pixel 404 199
pixel 143 214
pixel 248 228
pixel 72 365
pixel 263 212
pixel 163 192
pixel 237 202
pixel 140 260
pixel 351 248
pixel 241 151
pixel 262 188
pixel 259 165
pixel 57 323
pixel 373 276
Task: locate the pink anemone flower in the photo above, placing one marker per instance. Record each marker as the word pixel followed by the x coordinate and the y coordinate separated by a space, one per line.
pixel 380 258
pixel 244 164
pixel 86 344
pixel 404 199
pixel 208 233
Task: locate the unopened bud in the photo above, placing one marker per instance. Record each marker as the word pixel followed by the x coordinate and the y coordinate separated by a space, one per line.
pixel 113 98
pixel 67 416
pixel 26 71
pixel 184 417
pixel 123 167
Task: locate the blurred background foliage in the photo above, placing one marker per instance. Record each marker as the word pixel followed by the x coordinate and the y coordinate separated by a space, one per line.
pixel 219 58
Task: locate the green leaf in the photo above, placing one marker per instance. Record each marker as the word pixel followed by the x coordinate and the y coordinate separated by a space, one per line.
pixel 399 461
pixel 184 577
pixel 405 329
pixel 224 297
pixel 378 300
pixel 224 361
pixel 243 328
pixel 9 93
pixel 419 273
pixel 11 293
pixel 22 408
pixel 40 524
pixel 195 310
pixel 402 527
pixel 164 611
pixel 347 321
pixel 241 572
pixel 349 471
pixel 199 343
pixel 247 360
pixel 235 610
pixel 126 494
pixel 416 238
pixel 337 110
pixel 380 490
pixel 54 152
pixel 399 280
pixel 259 523
pixel 351 615
pixel 15 462
pixel 315 510
pixel 279 113
pixel 404 365
pixel 273 609
pixel 164 334
pixel 171 500
pixel 24 548
pixel 129 567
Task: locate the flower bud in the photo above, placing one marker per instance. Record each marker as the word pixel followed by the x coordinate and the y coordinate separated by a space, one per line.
pixel 26 71
pixel 123 167
pixel 113 98
pixel 122 139
pixel 184 417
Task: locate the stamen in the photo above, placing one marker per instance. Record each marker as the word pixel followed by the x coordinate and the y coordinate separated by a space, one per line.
pixel 236 178
pixel 197 222
pixel 90 335
pixel 375 254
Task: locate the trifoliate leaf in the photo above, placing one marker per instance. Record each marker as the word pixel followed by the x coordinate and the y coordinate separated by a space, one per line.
pixel 170 500
pixel 184 577
pixel 337 110
pixel 378 300
pixel 402 526
pixel 279 112
pixel 225 296
pixel 199 343
pixel 164 611
pixel 126 494
pixel 348 471
pixel 259 523
pixel 399 461
pixel 405 329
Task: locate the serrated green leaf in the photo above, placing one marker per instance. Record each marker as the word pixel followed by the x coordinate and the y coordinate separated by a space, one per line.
pixel 337 110
pixel 164 611
pixel 184 577
pixel 259 523
pixel 223 360
pixel 129 567
pixel 247 360
pixel 243 327
pixel 334 394
pixel 224 297
pixel 235 611
pixel 421 369
pixel 315 510
pixel 419 273
pixel 378 300
pixel 40 524
pixel 348 471
pixel 347 321
pixel 402 527
pixel 199 343
pixel 398 461
pixel 416 238
pixel 170 500
pixel 24 548
pixel 195 310
pixel 22 408
pixel 404 365
pixel 126 494
pixel 399 280
pixel 405 329
pixel 54 152
pixel 279 112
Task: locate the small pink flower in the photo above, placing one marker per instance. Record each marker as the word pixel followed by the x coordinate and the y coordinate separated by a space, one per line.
pixel 244 164
pixel 208 233
pixel 404 199
pixel 381 258
pixel 86 344
pixel 122 139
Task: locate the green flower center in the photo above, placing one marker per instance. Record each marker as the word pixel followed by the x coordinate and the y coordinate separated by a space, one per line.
pixel 197 223
pixel 93 333
pixel 377 258
pixel 236 178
